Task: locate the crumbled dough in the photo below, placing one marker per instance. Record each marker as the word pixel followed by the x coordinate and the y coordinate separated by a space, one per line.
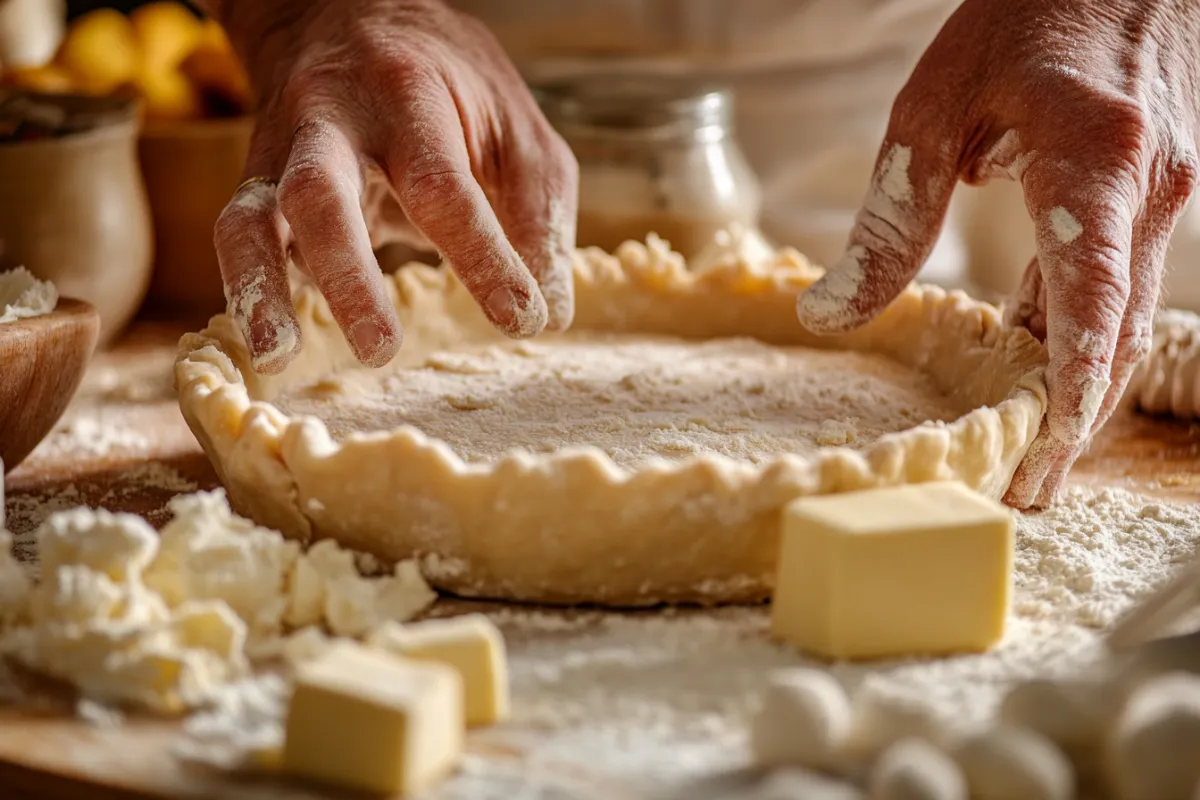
pixel 803 720
pixel 1006 763
pixel 1154 750
pixel 162 621
pixel 23 296
pixel 913 769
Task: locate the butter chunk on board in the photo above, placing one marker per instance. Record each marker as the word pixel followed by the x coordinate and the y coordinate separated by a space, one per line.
pixel 471 644
pixel 923 569
pixel 369 721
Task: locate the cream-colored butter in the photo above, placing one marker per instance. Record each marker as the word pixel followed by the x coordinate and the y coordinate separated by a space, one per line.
pixel 367 720
pixel 471 644
pixel 920 569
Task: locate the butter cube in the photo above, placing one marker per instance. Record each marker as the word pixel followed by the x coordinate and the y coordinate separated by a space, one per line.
pixel 913 570
pixel 369 721
pixel 471 644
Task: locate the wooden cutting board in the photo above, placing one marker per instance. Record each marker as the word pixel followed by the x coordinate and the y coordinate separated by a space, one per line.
pixel 54 756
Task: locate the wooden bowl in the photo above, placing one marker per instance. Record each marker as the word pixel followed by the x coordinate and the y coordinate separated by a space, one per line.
pixel 43 360
pixel 191 170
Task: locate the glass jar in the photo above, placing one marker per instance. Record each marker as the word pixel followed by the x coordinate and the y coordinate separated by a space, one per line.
pixel 653 158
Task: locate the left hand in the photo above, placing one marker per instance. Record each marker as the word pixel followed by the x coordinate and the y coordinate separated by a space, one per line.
pixel 1092 105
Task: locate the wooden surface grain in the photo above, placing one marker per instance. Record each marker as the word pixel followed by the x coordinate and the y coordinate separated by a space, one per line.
pixel 55 756
pixel 42 361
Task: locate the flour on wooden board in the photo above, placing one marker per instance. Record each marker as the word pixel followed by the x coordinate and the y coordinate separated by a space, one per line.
pixel 651 699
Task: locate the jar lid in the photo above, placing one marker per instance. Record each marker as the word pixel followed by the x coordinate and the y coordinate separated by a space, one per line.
pixel 658 110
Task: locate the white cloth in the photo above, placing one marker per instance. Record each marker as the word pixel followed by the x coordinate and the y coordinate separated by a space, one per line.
pixel 814 82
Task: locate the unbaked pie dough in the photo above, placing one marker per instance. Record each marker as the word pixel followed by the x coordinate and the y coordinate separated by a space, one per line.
pixel 1168 379
pixel 642 457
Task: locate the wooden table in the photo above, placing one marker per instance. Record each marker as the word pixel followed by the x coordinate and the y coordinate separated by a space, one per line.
pixel 53 756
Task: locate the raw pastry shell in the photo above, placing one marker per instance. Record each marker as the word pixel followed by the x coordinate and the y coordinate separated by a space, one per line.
pixel 572 526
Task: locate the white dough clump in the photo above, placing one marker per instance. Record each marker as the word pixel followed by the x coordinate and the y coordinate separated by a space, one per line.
pixel 23 296
pixel 913 769
pixel 803 721
pixel 1015 764
pixel 1154 751
pixel 162 621
pixel 1072 715
pixel 879 720
pixel 92 622
pixel 796 784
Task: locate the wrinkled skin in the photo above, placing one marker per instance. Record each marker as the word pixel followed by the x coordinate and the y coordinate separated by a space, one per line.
pixel 1092 106
pixel 390 120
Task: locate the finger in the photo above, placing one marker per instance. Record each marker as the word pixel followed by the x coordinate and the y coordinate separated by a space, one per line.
pixel 1152 238
pixel 320 196
pixel 430 170
pixel 537 207
pixel 1084 241
pixel 251 238
pixel 1027 307
pixel 895 229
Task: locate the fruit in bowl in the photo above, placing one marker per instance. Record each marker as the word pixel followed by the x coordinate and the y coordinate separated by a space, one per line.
pixel 183 66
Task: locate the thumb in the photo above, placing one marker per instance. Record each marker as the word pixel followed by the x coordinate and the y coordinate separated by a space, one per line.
pixel 893 234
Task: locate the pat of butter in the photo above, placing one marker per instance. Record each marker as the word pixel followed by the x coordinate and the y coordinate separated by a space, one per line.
pixel 471 644
pixel 366 720
pixel 914 570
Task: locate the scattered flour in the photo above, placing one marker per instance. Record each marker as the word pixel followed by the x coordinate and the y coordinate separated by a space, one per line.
pixel 101 434
pixel 1066 228
pixel 23 296
pixel 611 704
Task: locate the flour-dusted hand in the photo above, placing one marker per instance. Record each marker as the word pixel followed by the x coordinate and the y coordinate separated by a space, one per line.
pixel 417 98
pixel 1092 106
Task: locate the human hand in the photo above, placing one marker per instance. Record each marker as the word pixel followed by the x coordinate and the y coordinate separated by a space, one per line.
pixel 415 96
pixel 1092 106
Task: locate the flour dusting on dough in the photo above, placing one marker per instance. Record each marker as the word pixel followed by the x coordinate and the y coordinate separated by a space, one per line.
pixel 637 398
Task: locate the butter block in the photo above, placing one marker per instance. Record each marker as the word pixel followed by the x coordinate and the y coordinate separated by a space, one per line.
pixel 365 720
pixel 471 644
pixel 923 569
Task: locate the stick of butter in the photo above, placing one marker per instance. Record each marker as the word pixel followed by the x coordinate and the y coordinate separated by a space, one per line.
pixel 366 720
pixel 472 644
pixel 912 570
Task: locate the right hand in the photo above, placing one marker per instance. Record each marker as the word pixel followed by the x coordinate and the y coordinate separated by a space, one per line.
pixel 421 98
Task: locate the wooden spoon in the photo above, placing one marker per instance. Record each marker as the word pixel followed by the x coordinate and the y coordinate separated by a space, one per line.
pixel 42 361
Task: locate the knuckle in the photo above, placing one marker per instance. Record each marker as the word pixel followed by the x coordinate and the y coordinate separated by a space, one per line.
pixel 406 73
pixel 1184 175
pixel 228 228
pixel 306 186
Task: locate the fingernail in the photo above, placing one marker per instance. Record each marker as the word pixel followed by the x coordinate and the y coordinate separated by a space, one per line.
pixel 502 304
pixel 517 316
pixel 371 340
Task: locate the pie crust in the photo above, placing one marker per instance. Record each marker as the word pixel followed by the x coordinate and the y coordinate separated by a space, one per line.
pixel 1168 379
pixel 572 526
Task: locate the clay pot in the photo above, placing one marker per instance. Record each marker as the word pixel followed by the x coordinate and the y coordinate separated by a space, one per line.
pixel 191 171
pixel 73 211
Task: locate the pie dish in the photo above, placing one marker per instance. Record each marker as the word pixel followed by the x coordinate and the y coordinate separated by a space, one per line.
pixel 614 500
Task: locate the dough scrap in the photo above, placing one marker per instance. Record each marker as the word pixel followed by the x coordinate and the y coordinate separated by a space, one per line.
pixel 575 524
pixel 1168 379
